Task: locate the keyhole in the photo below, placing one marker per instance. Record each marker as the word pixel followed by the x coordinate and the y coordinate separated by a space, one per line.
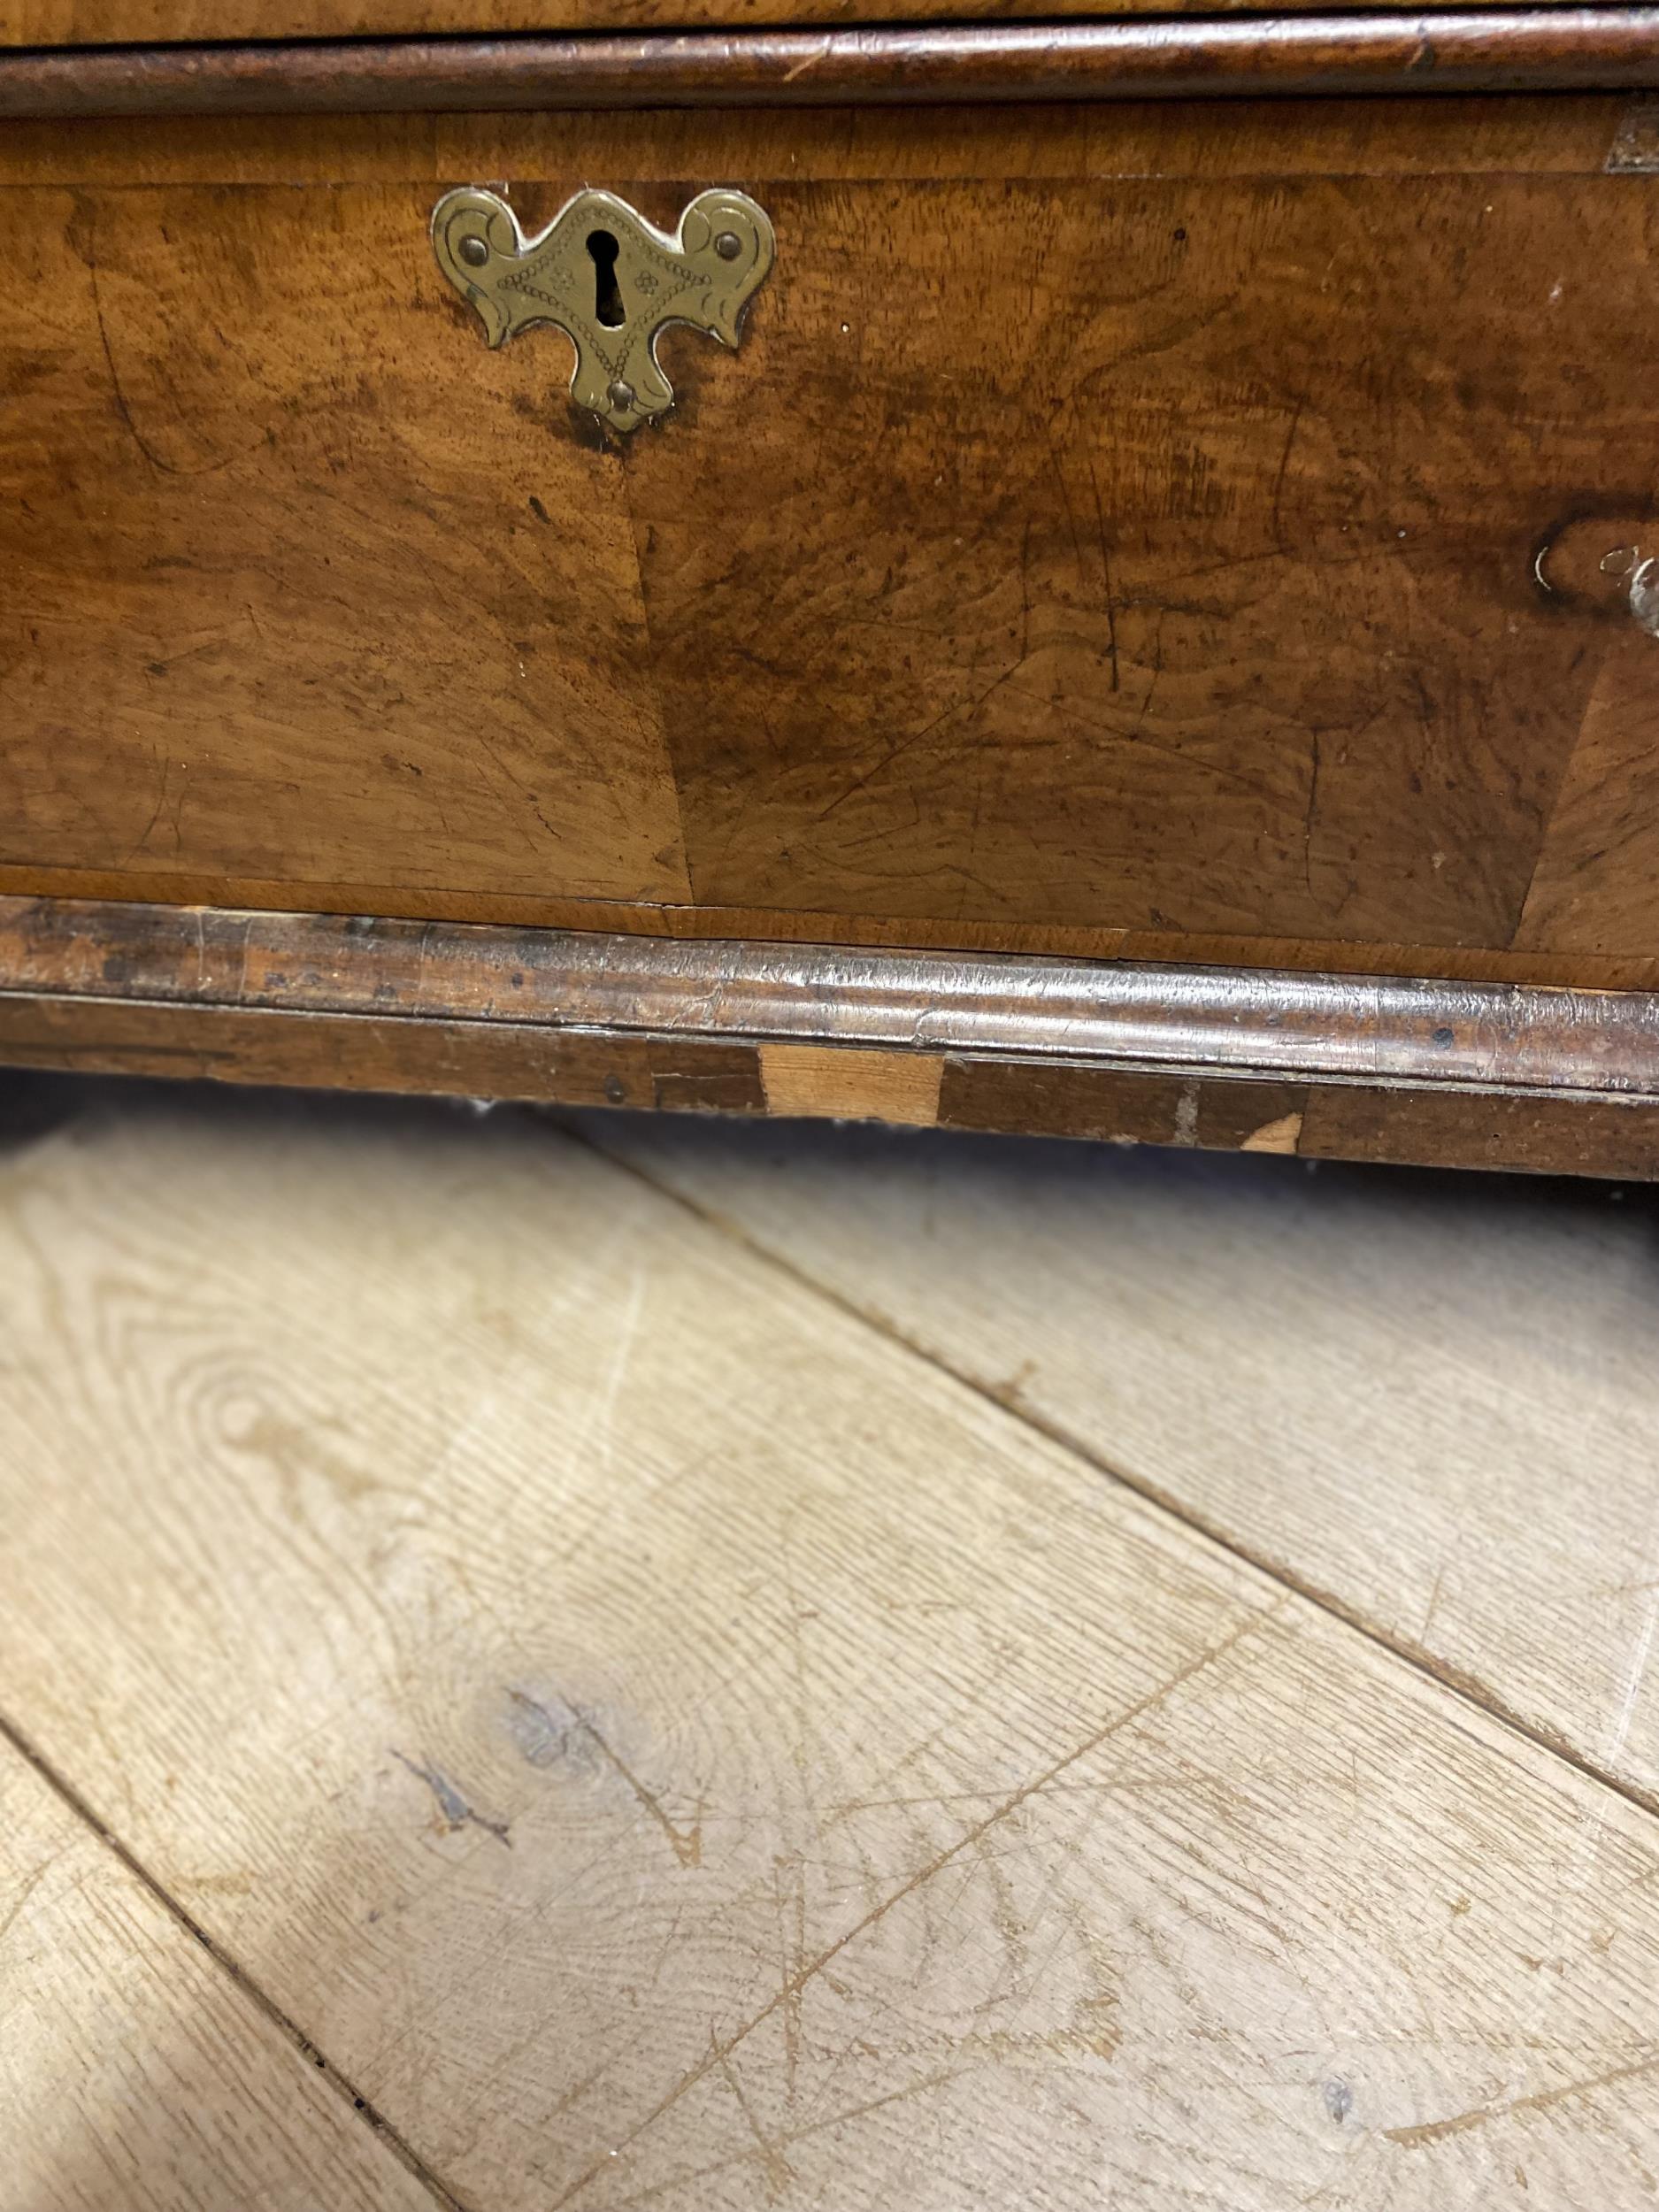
pixel 608 308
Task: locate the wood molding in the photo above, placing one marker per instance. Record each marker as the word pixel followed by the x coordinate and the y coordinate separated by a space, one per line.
pixel 1461 963
pixel 1320 1067
pixel 1263 1024
pixel 1568 49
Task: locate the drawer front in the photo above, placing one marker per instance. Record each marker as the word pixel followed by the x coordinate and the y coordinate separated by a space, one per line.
pixel 1116 528
pixel 312 592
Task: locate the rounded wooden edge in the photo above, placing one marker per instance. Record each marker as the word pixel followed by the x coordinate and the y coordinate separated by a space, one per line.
pixel 1309 1066
pixel 1266 1024
pixel 1558 49
pixel 152 885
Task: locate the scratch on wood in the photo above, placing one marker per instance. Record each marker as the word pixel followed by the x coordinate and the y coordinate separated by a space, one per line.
pixel 806 62
pixel 1436 2131
pixel 1310 810
pixel 21 1899
pixel 626 1336
pixel 162 468
pixel 455 1810
pixel 793 2135
pixel 1433 1604
pixel 777 2168
pixel 1634 1676
pixel 1009 1804
pixel 1106 573
pixel 1276 524
pixel 795 1948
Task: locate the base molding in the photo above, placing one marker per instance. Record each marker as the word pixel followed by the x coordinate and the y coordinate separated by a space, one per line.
pixel 1327 1066
pixel 1144 58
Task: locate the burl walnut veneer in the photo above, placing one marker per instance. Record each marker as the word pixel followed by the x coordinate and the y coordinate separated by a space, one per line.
pixel 1098 576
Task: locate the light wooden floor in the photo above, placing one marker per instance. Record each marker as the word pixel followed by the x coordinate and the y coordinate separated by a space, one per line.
pixel 659 1663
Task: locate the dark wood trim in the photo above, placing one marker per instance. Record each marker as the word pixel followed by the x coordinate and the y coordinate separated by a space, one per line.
pixel 1319 1067
pixel 1396 1125
pixel 1504 1038
pixel 1577 49
pixel 366 1052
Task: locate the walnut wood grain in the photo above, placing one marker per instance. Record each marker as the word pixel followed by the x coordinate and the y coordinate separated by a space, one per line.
pixel 1448 50
pixel 1191 604
pixel 287 586
pixel 1229 617
pixel 1533 134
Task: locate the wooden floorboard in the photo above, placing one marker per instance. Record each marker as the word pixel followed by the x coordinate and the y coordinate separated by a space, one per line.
pixel 666 1741
pixel 1432 1399
pixel 135 2072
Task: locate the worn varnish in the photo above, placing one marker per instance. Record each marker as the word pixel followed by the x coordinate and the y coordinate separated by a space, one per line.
pixel 1348 1028
pixel 1322 1066
pixel 1178 605
pixel 1196 604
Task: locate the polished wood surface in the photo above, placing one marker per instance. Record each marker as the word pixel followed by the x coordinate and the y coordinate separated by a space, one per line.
pixel 1446 49
pixel 318 589
pixel 693 925
pixel 1069 585
pixel 1346 1028
pixel 1322 1067
pixel 94 23
pixel 562 1633
pixel 1561 135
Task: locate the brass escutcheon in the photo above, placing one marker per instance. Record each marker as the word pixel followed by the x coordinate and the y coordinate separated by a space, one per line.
pixel 610 280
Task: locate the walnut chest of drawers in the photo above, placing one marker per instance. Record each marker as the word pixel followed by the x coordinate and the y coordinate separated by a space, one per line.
pixel 1099 577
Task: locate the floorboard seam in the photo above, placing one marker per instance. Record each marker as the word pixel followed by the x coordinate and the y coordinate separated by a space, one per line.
pixel 1465 1688
pixel 267 2006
